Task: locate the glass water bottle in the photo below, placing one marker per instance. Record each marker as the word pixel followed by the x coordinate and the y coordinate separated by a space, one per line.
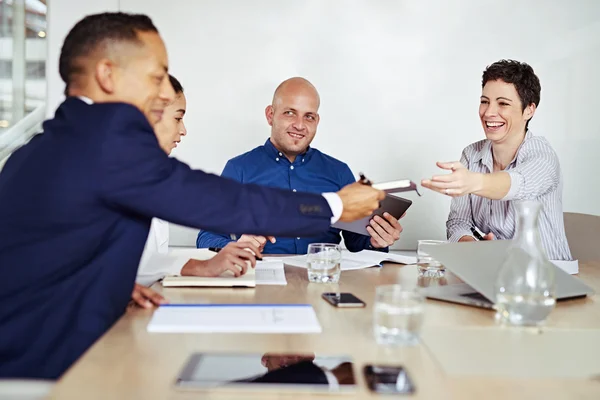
pixel 525 288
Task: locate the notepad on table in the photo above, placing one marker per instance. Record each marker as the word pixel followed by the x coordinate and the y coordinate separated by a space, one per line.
pixel 228 318
pixel 269 272
pixel 227 279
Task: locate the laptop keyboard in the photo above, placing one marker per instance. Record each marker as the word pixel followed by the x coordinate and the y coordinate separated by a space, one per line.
pixel 476 296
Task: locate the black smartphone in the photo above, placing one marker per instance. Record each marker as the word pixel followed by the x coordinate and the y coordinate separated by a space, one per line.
pixel 386 379
pixel 343 300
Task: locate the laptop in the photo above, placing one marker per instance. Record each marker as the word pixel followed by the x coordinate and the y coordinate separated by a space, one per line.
pixel 477 264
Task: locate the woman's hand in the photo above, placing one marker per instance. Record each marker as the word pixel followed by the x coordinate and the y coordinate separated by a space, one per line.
pixel 459 183
pixel 236 257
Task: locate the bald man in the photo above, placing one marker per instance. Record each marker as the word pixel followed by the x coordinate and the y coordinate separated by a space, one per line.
pixel 287 161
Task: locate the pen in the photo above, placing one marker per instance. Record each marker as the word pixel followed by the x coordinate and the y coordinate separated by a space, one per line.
pixel 218 249
pixel 363 179
pixel 477 234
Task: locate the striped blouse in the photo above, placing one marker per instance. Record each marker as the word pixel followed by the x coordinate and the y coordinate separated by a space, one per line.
pixel 535 175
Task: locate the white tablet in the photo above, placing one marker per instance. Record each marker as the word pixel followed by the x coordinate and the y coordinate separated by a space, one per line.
pixel 269 371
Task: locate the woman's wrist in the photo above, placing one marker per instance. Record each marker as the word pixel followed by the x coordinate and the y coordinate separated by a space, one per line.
pixel 193 268
pixel 478 182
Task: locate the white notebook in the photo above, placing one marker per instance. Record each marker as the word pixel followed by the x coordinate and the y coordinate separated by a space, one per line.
pixel 229 318
pixel 399 186
pixel 227 279
pixel 266 273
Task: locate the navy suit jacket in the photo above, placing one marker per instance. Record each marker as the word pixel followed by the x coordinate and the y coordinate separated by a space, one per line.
pixel 75 209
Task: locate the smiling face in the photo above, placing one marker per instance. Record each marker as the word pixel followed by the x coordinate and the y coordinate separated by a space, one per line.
pixel 293 117
pixel 501 112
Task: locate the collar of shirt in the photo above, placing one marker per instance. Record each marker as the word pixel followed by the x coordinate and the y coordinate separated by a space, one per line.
pixel 280 157
pixel 86 100
pixel 486 157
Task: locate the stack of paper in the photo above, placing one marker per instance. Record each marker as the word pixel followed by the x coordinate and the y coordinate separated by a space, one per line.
pixel 244 318
pixel 270 272
pixel 359 260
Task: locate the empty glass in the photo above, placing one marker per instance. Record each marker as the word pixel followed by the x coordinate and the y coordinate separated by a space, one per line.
pixel 428 265
pixel 324 262
pixel 398 315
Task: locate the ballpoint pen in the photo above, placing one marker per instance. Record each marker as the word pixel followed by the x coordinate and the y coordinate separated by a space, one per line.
pixel 218 249
pixel 477 234
pixel 363 179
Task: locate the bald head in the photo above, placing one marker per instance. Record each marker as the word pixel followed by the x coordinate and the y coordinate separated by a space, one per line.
pixel 293 116
pixel 296 86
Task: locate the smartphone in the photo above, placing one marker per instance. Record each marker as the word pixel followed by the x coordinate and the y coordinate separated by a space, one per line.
pixel 385 379
pixel 343 300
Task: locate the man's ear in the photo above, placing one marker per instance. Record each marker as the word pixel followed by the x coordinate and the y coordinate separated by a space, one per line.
pixel 269 112
pixel 105 75
pixel 529 111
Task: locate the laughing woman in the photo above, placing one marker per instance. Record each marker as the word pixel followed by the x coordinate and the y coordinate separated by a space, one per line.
pixel 511 164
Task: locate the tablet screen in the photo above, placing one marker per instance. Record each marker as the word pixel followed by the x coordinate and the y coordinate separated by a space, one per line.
pixel 280 371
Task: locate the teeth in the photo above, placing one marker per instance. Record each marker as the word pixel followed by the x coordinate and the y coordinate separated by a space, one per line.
pixel 296 135
pixel 494 124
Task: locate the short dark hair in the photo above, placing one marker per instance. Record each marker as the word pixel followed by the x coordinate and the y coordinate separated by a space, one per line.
pixel 176 84
pixel 519 74
pixel 95 31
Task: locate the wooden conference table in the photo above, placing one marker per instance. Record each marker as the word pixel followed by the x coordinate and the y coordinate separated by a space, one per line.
pixel 130 363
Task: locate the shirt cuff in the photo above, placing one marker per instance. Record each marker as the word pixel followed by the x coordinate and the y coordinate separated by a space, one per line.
pixel 160 265
pixel 516 180
pixel 336 205
pixel 334 385
pixel 455 237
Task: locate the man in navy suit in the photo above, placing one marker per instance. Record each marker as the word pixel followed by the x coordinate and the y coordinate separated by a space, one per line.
pixel 76 202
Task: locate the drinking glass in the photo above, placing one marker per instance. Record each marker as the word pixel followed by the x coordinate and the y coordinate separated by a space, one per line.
pixel 428 266
pixel 324 262
pixel 398 315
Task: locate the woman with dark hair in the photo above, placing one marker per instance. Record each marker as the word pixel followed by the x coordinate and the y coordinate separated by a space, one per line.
pixel 169 132
pixel 511 164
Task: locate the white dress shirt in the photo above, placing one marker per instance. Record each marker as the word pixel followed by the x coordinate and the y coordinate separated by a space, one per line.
pixel 157 244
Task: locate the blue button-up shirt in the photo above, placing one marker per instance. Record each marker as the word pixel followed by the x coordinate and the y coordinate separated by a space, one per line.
pixel 312 171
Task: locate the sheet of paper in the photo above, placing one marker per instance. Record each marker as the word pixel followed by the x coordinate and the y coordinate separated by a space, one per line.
pixel 359 260
pixel 570 267
pixel 228 318
pixel 270 272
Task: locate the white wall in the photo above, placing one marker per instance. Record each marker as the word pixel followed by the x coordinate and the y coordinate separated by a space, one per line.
pixel 399 81
pixel 62 16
